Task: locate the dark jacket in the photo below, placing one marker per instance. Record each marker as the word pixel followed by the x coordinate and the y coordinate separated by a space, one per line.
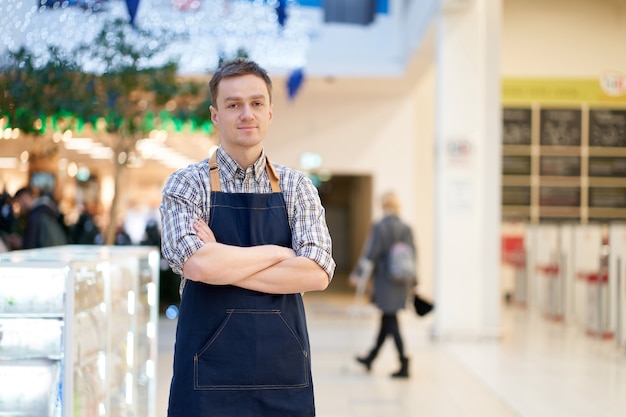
pixel 85 231
pixel 44 226
pixel 388 296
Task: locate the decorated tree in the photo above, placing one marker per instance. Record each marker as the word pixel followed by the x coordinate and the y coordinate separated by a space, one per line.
pixel 118 83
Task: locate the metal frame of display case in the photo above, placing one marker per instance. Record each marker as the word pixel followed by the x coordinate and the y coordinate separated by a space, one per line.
pixel 102 303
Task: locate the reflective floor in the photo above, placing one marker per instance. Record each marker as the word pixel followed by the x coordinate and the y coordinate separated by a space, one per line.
pixel 537 369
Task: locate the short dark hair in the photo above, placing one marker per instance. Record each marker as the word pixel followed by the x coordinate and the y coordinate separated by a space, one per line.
pixel 235 68
pixel 22 191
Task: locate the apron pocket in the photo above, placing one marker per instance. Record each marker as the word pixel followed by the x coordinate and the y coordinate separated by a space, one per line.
pixel 252 349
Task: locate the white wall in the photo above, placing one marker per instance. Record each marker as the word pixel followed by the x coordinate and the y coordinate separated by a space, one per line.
pixel 355 132
pixel 563 38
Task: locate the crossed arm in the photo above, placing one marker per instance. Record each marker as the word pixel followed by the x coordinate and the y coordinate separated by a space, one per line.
pixel 267 268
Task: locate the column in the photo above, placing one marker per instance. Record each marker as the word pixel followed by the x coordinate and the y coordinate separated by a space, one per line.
pixel 467 170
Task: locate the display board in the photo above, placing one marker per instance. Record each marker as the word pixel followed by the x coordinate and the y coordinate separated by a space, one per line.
pixel 559 166
pixel 607 128
pixel 563 151
pixel 516 126
pixel 560 127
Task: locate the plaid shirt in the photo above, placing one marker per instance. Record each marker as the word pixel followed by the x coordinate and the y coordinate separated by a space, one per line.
pixel 186 197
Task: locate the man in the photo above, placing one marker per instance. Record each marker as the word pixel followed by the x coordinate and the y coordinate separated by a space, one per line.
pixel 248 237
pixel 23 200
pixel 44 223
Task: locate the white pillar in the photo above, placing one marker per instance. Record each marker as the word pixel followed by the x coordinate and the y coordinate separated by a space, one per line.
pixel 467 173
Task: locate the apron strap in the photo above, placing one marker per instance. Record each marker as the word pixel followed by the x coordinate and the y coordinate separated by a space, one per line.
pixel 214 173
pixel 271 172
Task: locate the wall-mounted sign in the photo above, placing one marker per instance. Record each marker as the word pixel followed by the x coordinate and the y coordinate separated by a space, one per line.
pixel 613 83
pixel 559 196
pixel 516 165
pixel 607 127
pixel 516 195
pixel 560 127
pixel 607 166
pixel 563 149
pixel 516 125
pixel 559 166
pixel 604 89
pixel 613 197
pixel 459 152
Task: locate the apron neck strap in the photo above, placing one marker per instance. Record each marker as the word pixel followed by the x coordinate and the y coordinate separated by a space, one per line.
pixel 214 173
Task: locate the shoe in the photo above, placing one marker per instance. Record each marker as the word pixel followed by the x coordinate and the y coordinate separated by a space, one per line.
pixel 367 362
pixel 403 372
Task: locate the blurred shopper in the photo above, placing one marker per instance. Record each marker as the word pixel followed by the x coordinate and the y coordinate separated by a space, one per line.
pixel 249 237
pixel 44 224
pixel 21 204
pixel 135 221
pixel 86 231
pixel 388 295
pixel 14 214
pixel 7 221
pixel 23 201
pixel 152 234
pixel 121 237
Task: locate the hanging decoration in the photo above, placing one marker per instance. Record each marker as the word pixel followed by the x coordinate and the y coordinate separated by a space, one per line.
pixel 294 82
pixel 278 33
pixel 132 6
pixel 281 12
pixel 183 5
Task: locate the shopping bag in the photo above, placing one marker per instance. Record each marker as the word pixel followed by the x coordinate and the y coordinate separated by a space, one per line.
pixel 422 306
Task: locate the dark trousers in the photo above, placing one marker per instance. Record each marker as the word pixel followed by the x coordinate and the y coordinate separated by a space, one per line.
pixel 389 326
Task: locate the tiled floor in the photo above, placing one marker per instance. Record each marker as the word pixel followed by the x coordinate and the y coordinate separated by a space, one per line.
pixel 537 369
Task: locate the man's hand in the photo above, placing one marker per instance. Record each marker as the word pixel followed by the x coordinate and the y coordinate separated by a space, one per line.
pixel 353 279
pixel 203 231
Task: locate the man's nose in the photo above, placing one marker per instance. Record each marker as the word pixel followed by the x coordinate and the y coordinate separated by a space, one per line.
pixel 246 112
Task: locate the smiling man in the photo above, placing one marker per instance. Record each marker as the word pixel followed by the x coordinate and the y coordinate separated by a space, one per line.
pixel 248 237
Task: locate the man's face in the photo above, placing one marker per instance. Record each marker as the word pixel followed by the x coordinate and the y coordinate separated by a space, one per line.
pixel 243 111
pixel 24 203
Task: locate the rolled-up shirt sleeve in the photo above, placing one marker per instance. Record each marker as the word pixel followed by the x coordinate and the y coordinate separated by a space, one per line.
pixel 310 235
pixel 182 199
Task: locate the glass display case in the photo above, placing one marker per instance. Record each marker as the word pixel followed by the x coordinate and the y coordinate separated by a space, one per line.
pixel 78 331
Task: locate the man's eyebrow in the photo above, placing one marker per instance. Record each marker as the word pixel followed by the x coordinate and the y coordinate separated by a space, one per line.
pixel 239 98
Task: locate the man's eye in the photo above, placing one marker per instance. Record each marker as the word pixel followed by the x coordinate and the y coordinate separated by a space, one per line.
pixel 258 104
pixel 232 105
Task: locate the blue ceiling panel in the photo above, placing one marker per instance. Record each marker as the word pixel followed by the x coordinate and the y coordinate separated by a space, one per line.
pixel 382 6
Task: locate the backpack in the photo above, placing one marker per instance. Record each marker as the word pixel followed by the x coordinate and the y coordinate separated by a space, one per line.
pixel 401 262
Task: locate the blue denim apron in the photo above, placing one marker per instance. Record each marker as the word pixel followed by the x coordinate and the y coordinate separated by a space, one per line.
pixel 242 353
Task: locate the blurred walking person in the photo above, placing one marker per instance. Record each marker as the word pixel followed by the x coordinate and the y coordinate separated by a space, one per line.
pixel 389 295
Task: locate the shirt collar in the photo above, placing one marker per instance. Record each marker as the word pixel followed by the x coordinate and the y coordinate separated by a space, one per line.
pixel 229 167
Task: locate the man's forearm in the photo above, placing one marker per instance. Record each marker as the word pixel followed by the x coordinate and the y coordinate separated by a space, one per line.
pixel 290 276
pixel 220 264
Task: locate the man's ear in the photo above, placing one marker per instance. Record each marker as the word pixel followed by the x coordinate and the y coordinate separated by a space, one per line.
pixel 214 118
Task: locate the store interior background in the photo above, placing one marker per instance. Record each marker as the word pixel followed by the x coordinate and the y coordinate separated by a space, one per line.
pixel 369 113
